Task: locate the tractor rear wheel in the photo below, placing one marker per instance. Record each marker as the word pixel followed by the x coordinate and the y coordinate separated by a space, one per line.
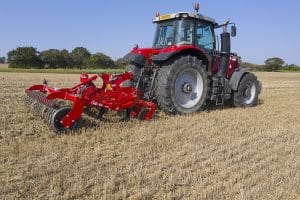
pixel 247 93
pixel 182 86
pixel 136 73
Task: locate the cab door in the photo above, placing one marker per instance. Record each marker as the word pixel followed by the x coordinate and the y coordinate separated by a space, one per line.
pixel 205 38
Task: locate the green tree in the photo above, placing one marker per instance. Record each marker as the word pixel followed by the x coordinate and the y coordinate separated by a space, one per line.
pixel 291 67
pixel 55 58
pixel 65 59
pixel 51 58
pixel 80 56
pixel 24 57
pixel 100 60
pixel 273 64
pixel 2 59
pixel 121 62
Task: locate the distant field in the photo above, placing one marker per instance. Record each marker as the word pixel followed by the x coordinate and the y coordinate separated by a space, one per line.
pixel 220 153
pixel 3 67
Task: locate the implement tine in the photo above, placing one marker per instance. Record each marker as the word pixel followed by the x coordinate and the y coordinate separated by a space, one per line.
pixel 38 103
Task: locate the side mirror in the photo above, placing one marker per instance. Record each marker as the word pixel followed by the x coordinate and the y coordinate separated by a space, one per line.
pixel 233 31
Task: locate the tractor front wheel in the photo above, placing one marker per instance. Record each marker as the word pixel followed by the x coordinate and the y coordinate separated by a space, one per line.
pixel 181 86
pixel 247 93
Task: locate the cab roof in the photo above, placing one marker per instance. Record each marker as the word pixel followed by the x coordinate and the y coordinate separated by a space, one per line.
pixel 166 17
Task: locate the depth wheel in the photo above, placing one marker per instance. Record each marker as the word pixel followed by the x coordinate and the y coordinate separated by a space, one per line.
pixel 56 118
pixel 124 114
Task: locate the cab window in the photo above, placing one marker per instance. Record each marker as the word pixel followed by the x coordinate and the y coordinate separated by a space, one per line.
pixel 204 36
pixel 185 30
pixel 164 35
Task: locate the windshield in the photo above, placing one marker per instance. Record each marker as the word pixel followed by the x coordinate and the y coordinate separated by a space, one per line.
pixel 185 31
pixel 164 34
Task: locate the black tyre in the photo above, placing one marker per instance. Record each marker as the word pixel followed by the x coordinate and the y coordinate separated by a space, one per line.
pixel 56 118
pixel 144 111
pixel 247 93
pixel 136 73
pixel 124 115
pixel 182 86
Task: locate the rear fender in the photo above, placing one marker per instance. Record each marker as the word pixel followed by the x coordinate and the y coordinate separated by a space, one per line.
pixel 137 59
pixel 162 57
pixel 178 51
pixel 236 77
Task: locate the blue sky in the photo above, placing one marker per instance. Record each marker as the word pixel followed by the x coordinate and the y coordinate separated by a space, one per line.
pixel 265 28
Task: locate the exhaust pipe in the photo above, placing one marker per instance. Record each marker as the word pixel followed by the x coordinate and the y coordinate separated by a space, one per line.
pixel 225 50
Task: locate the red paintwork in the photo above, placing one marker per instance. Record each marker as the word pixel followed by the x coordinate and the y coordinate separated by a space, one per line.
pixel 232 65
pixel 181 48
pixel 149 52
pixel 146 52
pixel 111 96
pixel 216 64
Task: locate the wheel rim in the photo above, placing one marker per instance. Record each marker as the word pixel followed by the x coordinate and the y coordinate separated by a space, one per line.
pixel 249 93
pixel 188 88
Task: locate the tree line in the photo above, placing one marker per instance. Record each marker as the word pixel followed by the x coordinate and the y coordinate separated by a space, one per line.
pixel 79 57
pixel 272 65
pixel 2 60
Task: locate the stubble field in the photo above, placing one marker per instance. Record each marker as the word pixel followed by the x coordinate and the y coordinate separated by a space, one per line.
pixel 3 66
pixel 220 153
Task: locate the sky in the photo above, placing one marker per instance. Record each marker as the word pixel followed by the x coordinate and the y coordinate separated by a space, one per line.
pixel 265 28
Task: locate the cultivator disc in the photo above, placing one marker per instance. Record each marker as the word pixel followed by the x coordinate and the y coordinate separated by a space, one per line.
pixel 48 110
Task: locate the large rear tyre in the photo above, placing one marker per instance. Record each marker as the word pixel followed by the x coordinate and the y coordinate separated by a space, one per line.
pixel 136 73
pixel 182 86
pixel 247 93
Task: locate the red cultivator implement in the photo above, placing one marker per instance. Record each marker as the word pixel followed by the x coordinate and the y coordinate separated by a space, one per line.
pixel 43 100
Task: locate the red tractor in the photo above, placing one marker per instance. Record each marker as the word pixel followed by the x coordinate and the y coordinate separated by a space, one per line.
pixel 184 68
pixel 181 72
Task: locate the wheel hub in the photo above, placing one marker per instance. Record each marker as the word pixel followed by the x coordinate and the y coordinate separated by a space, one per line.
pixel 247 92
pixel 187 88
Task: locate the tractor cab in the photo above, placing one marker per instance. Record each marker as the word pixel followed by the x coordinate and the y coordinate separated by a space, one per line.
pixel 185 29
